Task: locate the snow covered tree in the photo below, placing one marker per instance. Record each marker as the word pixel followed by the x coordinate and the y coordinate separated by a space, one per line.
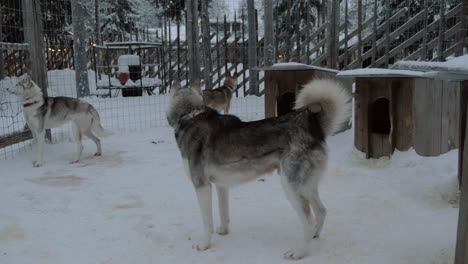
pixel 217 8
pixel 119 17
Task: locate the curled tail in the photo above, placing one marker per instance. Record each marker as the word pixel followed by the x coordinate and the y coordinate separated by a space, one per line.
pixel 96 124
pixel 334 100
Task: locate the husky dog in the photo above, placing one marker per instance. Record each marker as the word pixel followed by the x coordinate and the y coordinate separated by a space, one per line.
pixel 42 113
pixel 220 98
pixel 224 151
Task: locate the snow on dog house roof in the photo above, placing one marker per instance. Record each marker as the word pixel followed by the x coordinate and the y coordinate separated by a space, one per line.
pixel 291 66
pixel 378 72
pixel 455 69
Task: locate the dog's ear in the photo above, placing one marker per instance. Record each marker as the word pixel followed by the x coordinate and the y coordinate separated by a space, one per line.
pixel 27 77
pixel 228 74
pixel 175 85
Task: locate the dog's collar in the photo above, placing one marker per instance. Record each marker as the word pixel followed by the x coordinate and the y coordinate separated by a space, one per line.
pixel 229 87
pixel 29 104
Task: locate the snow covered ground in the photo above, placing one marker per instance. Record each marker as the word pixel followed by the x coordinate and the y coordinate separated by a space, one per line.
pixel 135 205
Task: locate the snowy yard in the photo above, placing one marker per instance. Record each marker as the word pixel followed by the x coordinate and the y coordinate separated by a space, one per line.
pixel 135 205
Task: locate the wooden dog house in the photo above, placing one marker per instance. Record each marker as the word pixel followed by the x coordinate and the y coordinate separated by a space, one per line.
pixel 399 109
pixel 284 80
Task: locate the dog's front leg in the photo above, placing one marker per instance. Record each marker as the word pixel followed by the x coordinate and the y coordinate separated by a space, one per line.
pixel 40 142
pixel 205 202
pixel 223 200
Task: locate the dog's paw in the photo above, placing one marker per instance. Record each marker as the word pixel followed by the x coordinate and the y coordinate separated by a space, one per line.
pixel 98 154
pixel 37 164
pixel 201 246
pixel 316 236
pixel 295 254
pixel 74 161
pixel 222 231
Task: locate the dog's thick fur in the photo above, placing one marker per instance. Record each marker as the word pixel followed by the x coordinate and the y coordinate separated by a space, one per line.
pixel 42 113
pixel 220 98
pixel 224 151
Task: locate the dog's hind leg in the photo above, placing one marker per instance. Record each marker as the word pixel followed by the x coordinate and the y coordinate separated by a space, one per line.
pixel 203 190
pixel 302 208
pixel 205 202
pixel 96 140
pixel 223 200
pixel 79 145
pixel 319 210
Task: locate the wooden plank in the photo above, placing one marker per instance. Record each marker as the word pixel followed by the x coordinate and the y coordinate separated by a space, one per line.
pixel 461 249
pixel 402 103
pixel 14 138
pixel 360 116
pixel 427 116
pixel 449 120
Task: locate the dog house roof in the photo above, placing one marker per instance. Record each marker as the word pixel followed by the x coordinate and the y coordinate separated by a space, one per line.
pixel 291 66
pixel 377 72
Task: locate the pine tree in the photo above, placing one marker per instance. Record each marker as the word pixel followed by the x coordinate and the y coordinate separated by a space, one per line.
pixel 118 17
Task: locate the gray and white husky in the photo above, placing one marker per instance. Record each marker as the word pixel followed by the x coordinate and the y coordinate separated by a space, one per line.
pixel 42 113
pixel 225 151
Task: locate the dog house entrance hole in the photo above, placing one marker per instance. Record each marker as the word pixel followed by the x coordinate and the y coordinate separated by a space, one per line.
pixel 285 103
pixel 380 116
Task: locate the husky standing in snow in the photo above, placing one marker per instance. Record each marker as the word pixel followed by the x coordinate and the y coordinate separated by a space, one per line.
pixel 224 151
pixel 220 98
pixel 42 113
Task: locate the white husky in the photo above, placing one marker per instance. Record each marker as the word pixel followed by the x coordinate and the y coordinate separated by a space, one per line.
pixel 42 113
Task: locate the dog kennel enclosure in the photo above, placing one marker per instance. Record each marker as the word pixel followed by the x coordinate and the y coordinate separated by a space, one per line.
pixel 397 109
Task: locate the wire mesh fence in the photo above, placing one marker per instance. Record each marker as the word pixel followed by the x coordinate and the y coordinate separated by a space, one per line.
pixel 132 50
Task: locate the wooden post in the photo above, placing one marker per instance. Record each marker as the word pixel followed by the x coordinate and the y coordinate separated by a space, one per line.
pixel 374 35
pixel 346 52
pixel 461 250
pixel 424 44
pixel 441 40
pixel 308 27
pixel 225 46
pixel 288 27
pixel 333 30
pixel 252 50
pixel 387 33
pixel 359 14
pixel 178 51
pixel 206 43
pixel 1 50
pixel 462 34
pixel 244 61
pixel 268 41
pixel 277 33
pixel 79 48
pixel 217 53
pixel 192 41
pixel 32 19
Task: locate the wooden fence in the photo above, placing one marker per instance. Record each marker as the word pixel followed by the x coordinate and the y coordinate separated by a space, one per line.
pixel 376 41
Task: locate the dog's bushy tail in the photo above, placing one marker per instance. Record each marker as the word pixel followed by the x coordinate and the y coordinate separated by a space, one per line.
pixel 96 124
pixel 334 100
